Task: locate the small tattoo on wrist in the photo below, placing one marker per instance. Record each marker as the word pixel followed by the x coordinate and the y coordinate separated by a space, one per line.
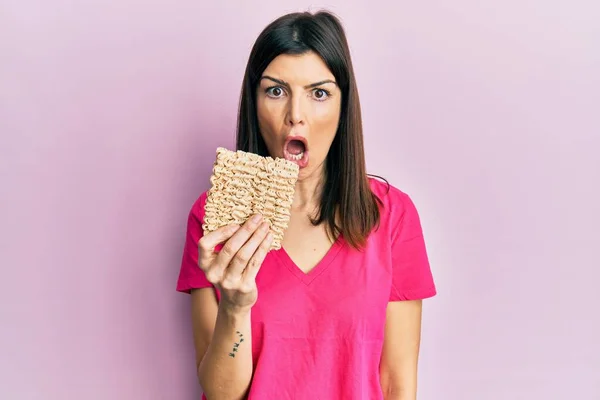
pixel 236 344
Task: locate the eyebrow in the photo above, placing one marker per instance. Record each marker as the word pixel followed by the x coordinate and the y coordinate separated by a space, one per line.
pixel 284 83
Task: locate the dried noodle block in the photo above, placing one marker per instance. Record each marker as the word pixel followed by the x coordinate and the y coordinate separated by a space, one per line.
pixel 244 184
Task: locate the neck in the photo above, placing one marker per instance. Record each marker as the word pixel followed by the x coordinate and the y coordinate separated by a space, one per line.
pixel 307 195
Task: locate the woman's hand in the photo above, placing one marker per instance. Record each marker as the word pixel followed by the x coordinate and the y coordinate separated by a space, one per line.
pixel 233 270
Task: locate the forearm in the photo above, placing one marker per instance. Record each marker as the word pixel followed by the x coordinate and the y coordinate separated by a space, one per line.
pixel 225 371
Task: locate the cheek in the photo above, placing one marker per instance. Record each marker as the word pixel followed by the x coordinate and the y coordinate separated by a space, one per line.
pixel 269 116
pixel 327 112
pixel 269 124
pixel 325 120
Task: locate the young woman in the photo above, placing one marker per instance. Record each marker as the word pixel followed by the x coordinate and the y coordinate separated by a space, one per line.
pixel 336 312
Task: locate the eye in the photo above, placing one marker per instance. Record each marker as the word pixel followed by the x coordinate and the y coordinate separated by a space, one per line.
pixel 321 94
pixel 275 91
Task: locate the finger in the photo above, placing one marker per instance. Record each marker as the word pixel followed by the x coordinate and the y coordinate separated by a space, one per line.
pixel 208 242
pixel 236 241
pixel 237 265
pixel 216 237
pixel 257 259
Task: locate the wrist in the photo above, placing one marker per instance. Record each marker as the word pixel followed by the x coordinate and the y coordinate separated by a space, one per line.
pixel 234 312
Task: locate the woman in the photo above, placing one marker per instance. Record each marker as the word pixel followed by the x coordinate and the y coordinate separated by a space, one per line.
pixel 335 313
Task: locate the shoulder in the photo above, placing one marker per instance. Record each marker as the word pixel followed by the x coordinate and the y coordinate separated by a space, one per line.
pixel 197 210
pixel 398 213
pixel 393 200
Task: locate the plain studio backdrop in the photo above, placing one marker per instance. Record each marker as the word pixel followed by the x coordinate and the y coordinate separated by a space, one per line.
pixel 486 113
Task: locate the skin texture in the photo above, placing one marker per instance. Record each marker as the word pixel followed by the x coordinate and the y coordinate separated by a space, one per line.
pixel 299 109
pixel 399 359
pixel 292 99
pixel 298 96
pixel 222 331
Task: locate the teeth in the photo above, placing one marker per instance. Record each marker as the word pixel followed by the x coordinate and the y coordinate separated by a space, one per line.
pixel 297 157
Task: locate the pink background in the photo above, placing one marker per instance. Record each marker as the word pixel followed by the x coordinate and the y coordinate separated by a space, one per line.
pixel 487 113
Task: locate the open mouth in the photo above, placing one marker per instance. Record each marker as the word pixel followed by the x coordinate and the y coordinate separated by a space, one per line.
pixel 296 150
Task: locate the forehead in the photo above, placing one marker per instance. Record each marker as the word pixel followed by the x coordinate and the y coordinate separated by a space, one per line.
pixel 301 69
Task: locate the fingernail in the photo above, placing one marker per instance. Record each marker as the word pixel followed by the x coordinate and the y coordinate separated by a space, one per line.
pixel 256 219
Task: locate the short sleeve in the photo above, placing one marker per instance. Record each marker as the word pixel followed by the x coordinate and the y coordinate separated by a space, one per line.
pixel 190 274
pixel 411 273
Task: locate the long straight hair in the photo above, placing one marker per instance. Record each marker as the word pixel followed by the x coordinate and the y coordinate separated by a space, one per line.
pixel 347 204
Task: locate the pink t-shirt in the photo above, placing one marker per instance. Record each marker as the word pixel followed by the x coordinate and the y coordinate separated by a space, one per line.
pixel 319 336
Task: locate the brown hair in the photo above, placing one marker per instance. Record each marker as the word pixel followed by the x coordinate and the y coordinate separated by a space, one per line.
pixel 346 192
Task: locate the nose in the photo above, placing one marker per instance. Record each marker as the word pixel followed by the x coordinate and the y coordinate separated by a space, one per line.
pixel 295 115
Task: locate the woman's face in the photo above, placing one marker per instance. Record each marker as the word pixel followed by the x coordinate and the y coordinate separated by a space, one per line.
pixel 298 106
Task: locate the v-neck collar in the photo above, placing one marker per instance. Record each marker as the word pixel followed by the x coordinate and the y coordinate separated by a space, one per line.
pixel 308 278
